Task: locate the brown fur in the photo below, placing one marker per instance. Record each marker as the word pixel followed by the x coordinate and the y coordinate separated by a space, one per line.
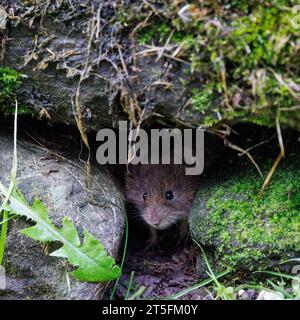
pixel 156 180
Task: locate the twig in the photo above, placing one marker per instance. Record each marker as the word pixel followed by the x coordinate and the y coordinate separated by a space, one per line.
pixel 284 84
pixel 294 108
pixel 237 148
pixel 79 117
pixel 154 50
pixel 223 134
pixel 122 61
pixel 152 8
pixel 256 145
pixel 162 50
pixel 278 159
pixel 130 97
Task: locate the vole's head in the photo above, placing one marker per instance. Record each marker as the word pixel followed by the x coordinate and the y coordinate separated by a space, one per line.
pixel 163 194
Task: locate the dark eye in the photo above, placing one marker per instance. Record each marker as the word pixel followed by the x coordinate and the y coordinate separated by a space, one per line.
pixel 145 195
pixel 169 195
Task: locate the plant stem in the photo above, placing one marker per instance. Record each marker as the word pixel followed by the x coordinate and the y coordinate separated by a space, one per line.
pixel 9 191
pixel 3 235
pixel 123 258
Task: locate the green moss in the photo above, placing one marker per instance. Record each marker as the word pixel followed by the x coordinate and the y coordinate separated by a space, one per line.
pixel 10 80
pixel 259 43
pixel 249 48
pixel 261 38
pixel 123 16
pixel 157 32
pixel 241 5
pixel 246 232
pixel 201 99
pixel 210 121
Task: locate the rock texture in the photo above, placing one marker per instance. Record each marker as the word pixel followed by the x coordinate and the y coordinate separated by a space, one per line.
pixel 194 65
pixel 60 184
pixel 54 52
pixel 243 231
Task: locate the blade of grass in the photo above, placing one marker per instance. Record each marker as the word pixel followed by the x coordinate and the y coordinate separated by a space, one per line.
pixel 138 293
pixel 3 235
pixel 129 285
pixel 278 274
pixel 12 185
pixel 213 278
pixel 222 292
pixel 112 295
pixel 291 260
pixel 280 289
pixel 251 286
pixel 210 271
pixel 9 218
pixel 195 287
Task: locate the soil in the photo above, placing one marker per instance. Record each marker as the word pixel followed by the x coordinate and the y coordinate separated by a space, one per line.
pixel 162 274
pixel 164 270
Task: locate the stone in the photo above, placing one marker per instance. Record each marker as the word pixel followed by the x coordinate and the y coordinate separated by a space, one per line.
pixel 61 185
pixel 242 231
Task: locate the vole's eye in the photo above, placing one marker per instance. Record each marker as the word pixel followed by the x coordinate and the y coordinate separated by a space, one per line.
pixel 145 195
pixel 169 195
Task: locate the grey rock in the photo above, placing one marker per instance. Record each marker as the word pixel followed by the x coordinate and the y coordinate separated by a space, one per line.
pixel 60 184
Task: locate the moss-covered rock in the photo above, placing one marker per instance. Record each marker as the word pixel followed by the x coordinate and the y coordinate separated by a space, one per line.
pixel 247 232
pixel 247 54
pixel 200 63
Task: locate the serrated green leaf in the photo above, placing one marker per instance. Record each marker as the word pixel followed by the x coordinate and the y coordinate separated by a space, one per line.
pixel 38 231
pixel 69 231
pixel 90 257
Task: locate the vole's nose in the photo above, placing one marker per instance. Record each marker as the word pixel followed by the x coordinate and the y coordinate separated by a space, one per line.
pixel 156 220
